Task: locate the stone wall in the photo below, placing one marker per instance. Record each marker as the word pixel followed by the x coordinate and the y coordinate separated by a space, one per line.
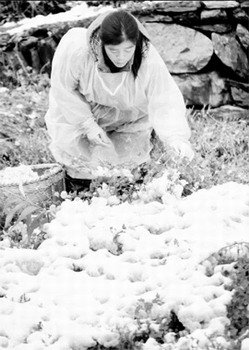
pixel 204 44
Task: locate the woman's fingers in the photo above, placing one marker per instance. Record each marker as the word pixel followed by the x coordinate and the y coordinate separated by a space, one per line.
pixel 101 139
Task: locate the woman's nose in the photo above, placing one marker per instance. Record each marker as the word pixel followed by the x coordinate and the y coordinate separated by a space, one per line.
pixel 120 55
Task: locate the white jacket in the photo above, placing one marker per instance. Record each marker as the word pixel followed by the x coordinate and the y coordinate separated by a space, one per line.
pixel 83 92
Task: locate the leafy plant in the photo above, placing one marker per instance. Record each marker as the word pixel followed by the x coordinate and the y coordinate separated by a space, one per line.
pixel 24 220
pixel 235 255
pixel 23 137
pixel 238 309
pixel 222 149
pixel 151 325
pixel 17 10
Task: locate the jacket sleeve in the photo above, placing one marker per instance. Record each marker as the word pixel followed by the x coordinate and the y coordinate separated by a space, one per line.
pixel 166 107
pixel 68 63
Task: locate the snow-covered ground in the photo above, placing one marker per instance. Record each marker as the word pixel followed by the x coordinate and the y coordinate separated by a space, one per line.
pixel 108 267
pixel 79 10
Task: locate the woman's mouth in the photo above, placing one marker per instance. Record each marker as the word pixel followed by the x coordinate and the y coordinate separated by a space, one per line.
pixel 120 64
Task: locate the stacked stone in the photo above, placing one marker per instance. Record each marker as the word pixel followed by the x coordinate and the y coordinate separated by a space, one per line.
pixel 204 44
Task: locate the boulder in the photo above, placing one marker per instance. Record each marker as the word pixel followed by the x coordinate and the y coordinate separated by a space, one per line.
pixel 245 6
pixel 217 28
pixel 243 35
pixel 240 93
pixel 228 112
pixel 145 7
pixel 183 49
pixel 155 18
pixel 240 97
pixel 229 51
pixel 239 15
pixel 220 4
pixel 26 46
pixel 203 43
pixel 216 15
pixel 187 19
pixel 203 89
pixel 177 6
pixel 214 21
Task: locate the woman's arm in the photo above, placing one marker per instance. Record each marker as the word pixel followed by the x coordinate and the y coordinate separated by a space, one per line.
pixel 167 109
pixel 68 63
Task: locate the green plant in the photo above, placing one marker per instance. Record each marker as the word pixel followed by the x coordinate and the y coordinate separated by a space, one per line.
pixel 235 256
pixel 222 149
pixel 24 138
pixel 24 220
pixel 17 10
pixel 238 309
pixel 148 325
pixel 133 187
pixel 221 146
pixel 151 324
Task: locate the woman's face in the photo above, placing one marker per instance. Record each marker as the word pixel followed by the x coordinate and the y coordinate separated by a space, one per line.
pixel 120 54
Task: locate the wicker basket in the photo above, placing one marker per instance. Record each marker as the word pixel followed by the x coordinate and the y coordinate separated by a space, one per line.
pixel 50 179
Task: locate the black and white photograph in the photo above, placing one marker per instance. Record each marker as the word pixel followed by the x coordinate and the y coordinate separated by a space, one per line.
pixel 124 175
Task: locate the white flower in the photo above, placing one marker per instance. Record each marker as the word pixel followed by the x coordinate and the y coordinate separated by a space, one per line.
pixel 64 195
pixel 17 175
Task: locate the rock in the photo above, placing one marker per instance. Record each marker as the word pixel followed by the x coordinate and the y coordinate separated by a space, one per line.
pixel 148 7
pixel 154 19
pixel 214 21
pixel 203 89
pixel 208 15
pixel 140 7
pixel 217 28
pixel 245 6
pixel 187 19
pixel 220 4
pixel 177 6
pixel 240 93
pixel 243 35
pixel 229 112
pixel 240 97
pixel 241 17
pixel 45 50
pixel 4 39
pixel 228 49
pixel 195 39
pixel 188 54
pixel 28 49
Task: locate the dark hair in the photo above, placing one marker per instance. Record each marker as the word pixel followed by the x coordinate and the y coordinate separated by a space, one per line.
pixel 117 27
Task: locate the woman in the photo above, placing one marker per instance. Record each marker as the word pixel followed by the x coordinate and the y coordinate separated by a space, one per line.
pixel 109 89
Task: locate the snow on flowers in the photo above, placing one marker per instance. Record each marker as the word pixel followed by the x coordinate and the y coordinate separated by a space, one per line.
pixel 112 272
pixel 16 175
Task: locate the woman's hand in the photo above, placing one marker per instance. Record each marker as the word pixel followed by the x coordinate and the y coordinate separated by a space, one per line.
pixel 183 149
pixel 97 136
